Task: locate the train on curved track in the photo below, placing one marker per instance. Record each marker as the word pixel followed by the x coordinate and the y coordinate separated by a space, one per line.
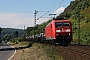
pixel 56 32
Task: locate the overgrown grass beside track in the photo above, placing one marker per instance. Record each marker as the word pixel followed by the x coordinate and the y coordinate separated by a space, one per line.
pixel 40 51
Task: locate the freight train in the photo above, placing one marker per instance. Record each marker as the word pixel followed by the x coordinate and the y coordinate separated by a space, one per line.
pixel 56 32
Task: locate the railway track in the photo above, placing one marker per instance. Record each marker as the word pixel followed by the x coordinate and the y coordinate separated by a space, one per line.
pixel 82 52
pixel 77 52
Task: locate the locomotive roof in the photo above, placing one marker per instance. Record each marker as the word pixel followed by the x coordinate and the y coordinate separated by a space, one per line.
pixel 58 21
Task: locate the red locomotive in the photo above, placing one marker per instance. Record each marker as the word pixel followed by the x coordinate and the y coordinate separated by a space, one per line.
pixel 59 31
pixel 56 32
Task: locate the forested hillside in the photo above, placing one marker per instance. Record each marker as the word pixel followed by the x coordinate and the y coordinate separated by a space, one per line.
pixel 11 31
pixel 74 8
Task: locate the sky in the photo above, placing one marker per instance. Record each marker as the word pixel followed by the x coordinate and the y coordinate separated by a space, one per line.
pixel 20 13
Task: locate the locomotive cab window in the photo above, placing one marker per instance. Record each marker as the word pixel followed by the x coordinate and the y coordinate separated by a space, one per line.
pixel 60 24
pixel 66 24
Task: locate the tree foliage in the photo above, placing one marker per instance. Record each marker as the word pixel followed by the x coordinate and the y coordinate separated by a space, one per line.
pixel 7 37
pixel 73 9
pixel 11 31
pixel 38 29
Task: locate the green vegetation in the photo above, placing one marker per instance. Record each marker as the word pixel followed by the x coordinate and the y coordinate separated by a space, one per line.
pixel 11 31
pixel 16 40
pixel 38 29
pixel 11 34
pixel 79 9
pixel 26 44
pixel 52 53
pixel 57 53
pixel 20 41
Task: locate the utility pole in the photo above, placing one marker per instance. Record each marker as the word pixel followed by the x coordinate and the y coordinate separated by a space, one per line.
pixel 37 19
pixel 35 22
pixel 79 26
pixel 24 31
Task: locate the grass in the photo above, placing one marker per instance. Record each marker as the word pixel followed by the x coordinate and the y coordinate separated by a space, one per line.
pixel 51 52
pixel 24 43
pixel 34 53
pixel 55 53
pixel 43 52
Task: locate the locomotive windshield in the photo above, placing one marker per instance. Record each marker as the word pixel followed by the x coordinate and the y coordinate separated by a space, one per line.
pixel 66 24
pixel 60 24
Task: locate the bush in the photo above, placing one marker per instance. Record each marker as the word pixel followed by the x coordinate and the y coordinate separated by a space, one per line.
pixel 25 43
pixel 16 40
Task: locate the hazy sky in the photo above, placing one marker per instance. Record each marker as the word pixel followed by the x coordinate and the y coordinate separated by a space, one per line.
pixel 20 13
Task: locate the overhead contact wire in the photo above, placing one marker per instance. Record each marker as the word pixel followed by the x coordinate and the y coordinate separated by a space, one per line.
pixel 53 5
pixel 59 5
pixel 42 4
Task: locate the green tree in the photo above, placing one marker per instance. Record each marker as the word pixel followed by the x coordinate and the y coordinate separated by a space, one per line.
pixel 7 37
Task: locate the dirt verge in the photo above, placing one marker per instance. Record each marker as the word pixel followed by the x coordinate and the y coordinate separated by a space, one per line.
pixel 34 52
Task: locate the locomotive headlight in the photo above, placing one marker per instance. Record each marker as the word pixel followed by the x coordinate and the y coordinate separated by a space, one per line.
pixel 58 30
pixel 69 33
pixel 56 34
pixel 68 30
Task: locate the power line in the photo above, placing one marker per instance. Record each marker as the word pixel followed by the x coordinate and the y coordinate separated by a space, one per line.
pixel 42 4
pixel 59 5
pixel 42 11
pixel 51 8
pixel 54 5
pixel 43 15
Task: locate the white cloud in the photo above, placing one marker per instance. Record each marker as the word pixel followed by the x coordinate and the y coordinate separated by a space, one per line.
pixel 13 20
pixel 59 10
